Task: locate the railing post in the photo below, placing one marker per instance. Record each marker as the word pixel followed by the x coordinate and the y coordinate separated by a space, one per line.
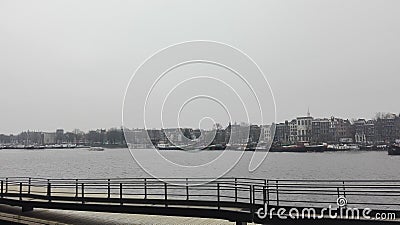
pixel 108 188
pixel 251 199
pixel 120 194
pixel 264 195
pixel 344 190
pixel 29 185
pixel 165 194
pixel 338 192
pixel 20 191
pixel 250 194
pixel 254 194
pixel 76 188
pixel 2 191
pixel 264 192
pixel 145 188
pixel 267 193
pixel 236 192
pixel 6 185
pixel 277 193
pixel 83 193
pixel 218 196
pixel 187 189
pixel 49 191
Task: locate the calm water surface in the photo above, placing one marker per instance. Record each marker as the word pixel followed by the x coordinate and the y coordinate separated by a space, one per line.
pixel 81 163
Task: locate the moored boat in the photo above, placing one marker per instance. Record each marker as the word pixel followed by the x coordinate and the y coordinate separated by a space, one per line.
pixel 367 147
pixel 383 147
pixel 98 149
pixel 345 147
pixel 29 147
pixel 215 147
pixel 288 148
pixel 315 148
pixel 394 149
pixel 167 147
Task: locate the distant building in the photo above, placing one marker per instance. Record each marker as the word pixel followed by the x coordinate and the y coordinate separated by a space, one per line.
pixel 137 138
pixel 13 139
pixel 175 135
pixel 237 134
pixel 254 134
pixel 30 138
pixel 397 127
pixel 59 136
pixel 386 130
pixel 154 135
pixel 370 132
pixel 220 136
pixel 320 130
pixel 49 138
pixel 304 128
pixel 282 133
pixel 360 133
pixel 5 139
pixel 293 131
pixel 197 133
pixel 266 133
pixel 364 131
pixel 339 129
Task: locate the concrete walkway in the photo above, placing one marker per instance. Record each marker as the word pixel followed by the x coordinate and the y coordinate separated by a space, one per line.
pixel 52 217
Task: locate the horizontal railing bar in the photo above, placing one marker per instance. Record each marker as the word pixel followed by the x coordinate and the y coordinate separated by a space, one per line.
pixel 330 191
pixel 329 180
pixel 204 178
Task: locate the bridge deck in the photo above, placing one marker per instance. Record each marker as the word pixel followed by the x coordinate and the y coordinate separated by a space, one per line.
pixel 60 217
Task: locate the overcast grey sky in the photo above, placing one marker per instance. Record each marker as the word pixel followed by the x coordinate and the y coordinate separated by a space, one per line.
pixel 66 64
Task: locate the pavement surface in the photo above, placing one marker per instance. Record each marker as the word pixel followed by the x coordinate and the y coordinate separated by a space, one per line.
pixel 52 217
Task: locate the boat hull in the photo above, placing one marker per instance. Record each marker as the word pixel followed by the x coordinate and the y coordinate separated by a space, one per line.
pixel 288 149
pixel 316 148
pixel 394 150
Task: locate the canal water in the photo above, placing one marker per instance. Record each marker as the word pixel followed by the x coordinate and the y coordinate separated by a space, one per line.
pixel 113 163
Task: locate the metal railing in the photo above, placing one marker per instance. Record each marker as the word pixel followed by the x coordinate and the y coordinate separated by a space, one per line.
pixel 222 193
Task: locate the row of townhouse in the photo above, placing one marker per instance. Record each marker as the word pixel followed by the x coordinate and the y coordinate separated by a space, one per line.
pixel 335 130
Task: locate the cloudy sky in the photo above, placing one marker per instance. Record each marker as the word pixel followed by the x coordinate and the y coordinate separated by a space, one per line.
pixel 66 64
